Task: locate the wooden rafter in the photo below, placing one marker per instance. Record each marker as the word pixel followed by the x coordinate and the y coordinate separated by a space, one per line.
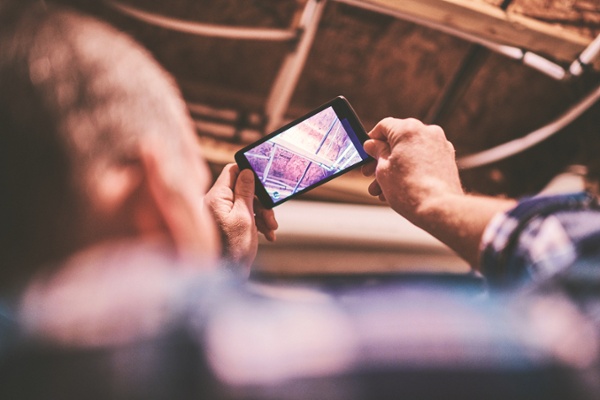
pixel 490 23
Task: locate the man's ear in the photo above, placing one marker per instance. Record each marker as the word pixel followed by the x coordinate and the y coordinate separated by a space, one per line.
pixel 136 198
pixel 114 186
pixel 177 207
pixel 120 203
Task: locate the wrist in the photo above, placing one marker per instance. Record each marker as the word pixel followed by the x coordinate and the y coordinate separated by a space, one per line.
pixel 434 210
pixel 459 220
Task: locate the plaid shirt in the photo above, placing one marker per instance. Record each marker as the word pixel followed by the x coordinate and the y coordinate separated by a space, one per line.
pixel 543 237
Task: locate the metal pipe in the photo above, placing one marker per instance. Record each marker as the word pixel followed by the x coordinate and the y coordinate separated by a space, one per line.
pixel 516 146
pixel 201 29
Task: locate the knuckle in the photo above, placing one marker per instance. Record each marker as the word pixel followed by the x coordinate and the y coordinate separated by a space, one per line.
pixel 413 124
pixel 388 121
pixel 386 124
pixel 244 191
pixel 437 130
pixel 412 128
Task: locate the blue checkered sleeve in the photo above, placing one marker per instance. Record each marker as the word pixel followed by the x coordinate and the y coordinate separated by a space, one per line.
pixel 541 237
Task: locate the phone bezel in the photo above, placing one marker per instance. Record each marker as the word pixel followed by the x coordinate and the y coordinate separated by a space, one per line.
pixel 343 109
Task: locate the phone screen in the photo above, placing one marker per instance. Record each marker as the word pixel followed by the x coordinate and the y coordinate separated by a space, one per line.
pixel 313 149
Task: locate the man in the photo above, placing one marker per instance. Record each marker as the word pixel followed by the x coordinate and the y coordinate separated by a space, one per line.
pixel 104 224
pixel 103 214
pixel 536 239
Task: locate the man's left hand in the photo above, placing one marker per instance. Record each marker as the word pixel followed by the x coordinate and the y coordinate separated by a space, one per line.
pixel 239 215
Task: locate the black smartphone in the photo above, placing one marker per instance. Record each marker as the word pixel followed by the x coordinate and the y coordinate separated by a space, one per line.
pixel 315 148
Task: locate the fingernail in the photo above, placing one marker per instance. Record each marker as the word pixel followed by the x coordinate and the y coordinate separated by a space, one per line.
pixel 246 176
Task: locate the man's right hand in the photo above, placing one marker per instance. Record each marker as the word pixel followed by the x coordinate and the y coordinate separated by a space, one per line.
pixel 414 165
pixel 416 173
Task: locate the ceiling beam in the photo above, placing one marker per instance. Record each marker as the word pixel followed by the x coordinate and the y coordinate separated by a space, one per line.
pixel 487 22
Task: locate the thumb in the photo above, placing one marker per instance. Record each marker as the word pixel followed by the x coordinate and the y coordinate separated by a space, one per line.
pixel 244 189
pixel 376 148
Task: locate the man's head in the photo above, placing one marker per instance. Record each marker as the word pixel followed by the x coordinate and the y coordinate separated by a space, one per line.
pixel 95 142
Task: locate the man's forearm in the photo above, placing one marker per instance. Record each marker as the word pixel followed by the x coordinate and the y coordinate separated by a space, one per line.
pixel 460 220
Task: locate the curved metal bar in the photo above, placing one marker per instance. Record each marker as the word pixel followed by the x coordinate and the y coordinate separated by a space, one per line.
pixel 201 29
pixel 516 146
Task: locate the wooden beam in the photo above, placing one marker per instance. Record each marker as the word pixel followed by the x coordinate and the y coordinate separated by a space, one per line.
pixel 488 23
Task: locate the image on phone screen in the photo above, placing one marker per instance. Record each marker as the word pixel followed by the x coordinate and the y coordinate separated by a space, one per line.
pixel 306 153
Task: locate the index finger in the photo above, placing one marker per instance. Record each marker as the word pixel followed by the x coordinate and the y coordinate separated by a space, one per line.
pixel 369 168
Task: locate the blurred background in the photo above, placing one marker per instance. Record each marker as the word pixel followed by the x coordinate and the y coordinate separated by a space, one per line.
pixel 488 71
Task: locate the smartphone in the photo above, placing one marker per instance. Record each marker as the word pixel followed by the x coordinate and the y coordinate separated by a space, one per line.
pixel 315 148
